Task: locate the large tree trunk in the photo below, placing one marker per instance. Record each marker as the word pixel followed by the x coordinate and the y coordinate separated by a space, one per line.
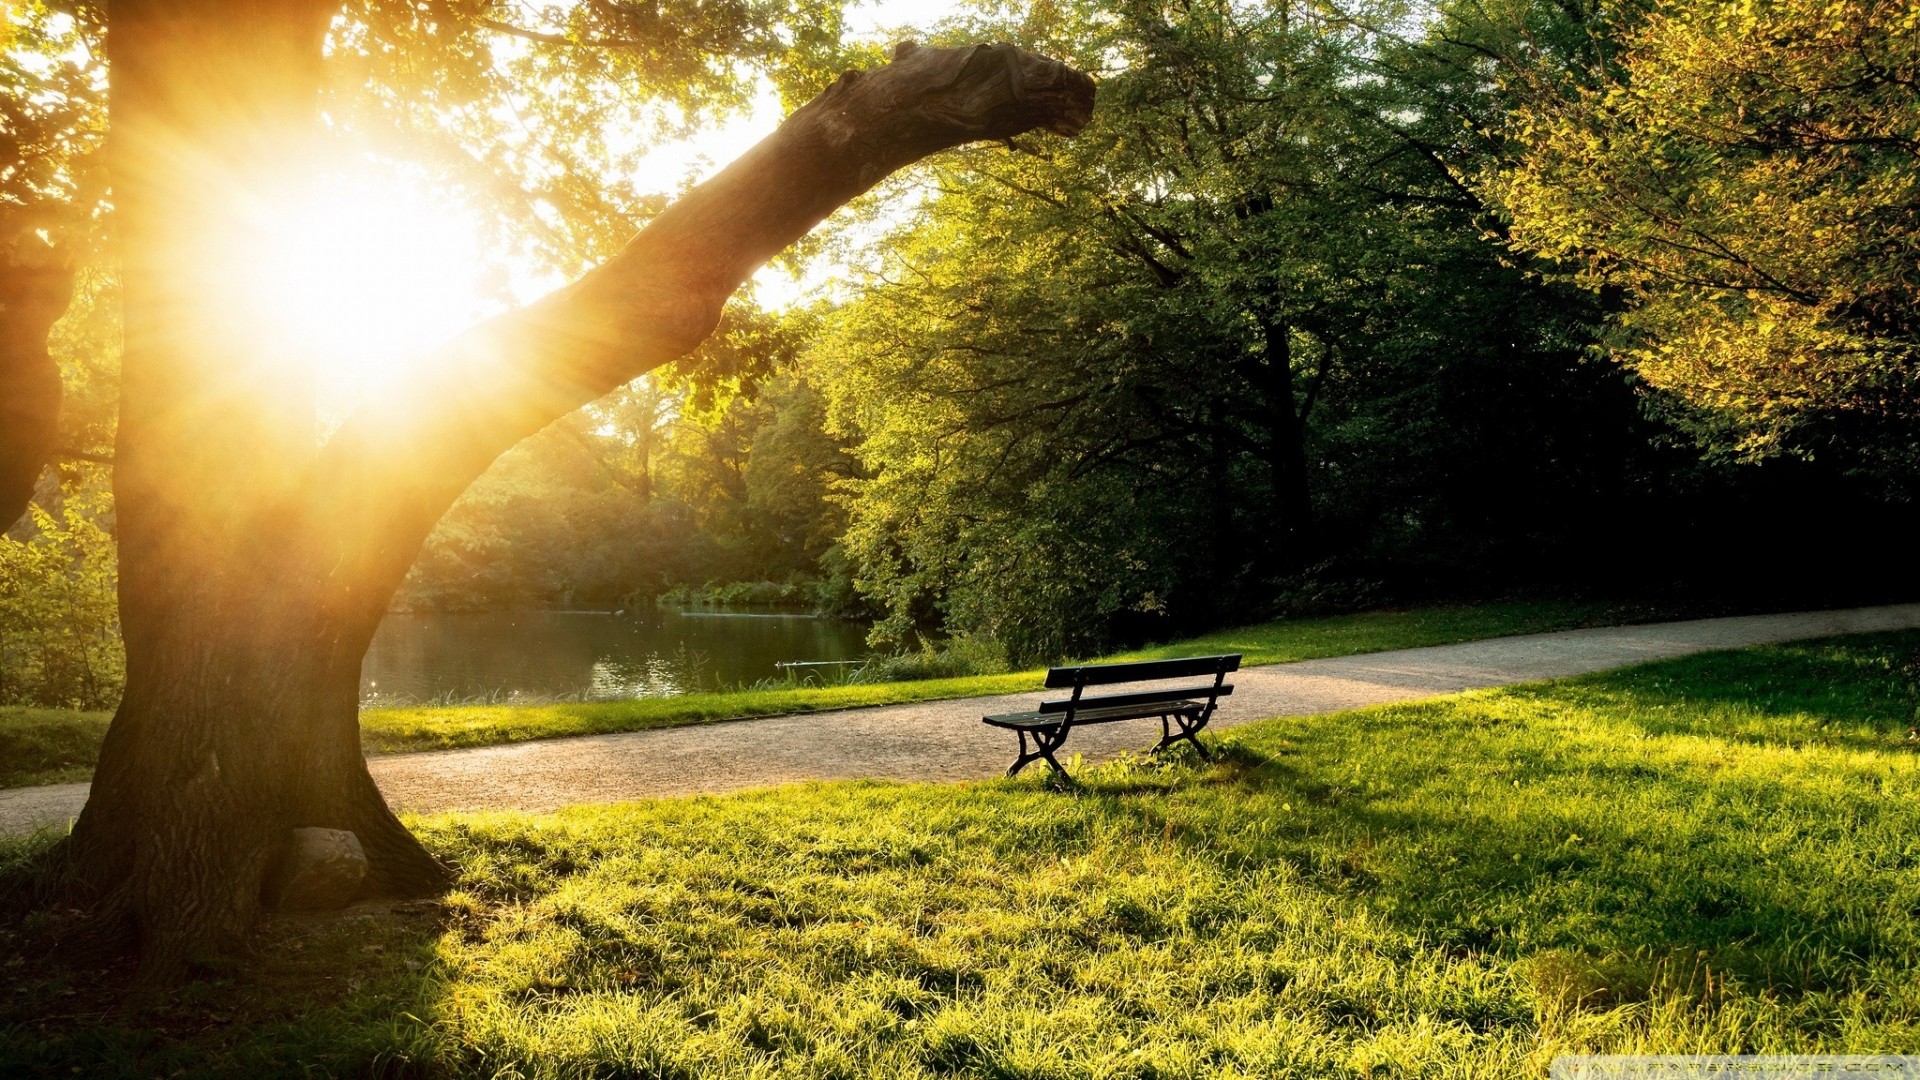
pixel 235 724
pixel 255 566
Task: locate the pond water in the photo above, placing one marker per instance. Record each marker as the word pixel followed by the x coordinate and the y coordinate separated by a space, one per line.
pixel 523 655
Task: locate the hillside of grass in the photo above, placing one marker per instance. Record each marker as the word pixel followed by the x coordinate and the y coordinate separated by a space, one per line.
pixel 1714 854
pixel 50 746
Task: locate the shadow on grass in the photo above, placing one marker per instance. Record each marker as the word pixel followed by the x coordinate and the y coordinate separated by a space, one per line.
pixel 1743 819
pixel 336 992
pixel 1860 692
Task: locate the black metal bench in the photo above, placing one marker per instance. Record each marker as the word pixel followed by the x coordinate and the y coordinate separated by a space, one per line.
pixel 1183 710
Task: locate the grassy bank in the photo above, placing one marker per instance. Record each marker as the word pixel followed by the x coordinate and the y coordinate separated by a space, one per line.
pixel 48 746
pixel 1714 854
pixel 45 746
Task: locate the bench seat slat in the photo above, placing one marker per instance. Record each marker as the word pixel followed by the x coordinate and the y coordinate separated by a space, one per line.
pixel 1024 720
pixel 1093 716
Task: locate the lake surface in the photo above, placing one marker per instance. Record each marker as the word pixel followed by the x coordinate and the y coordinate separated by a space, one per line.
pixel 523 655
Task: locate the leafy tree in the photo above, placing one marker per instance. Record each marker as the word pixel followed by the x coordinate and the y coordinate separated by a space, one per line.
pixel 546 113
pixel 558 521
pixel 715 470
pixel 255 560
pixel 441 87
pixel 1247 325
pixel 1746 175
pixel 1108 379
pixel 59 626
pixel 579 515
pixel 794 472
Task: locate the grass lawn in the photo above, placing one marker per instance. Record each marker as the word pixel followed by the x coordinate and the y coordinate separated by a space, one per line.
pixel 50 746
pixel 1714 854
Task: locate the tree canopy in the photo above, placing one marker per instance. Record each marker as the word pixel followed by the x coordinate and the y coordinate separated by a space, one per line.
pixel 1246 325
pixel 1746 174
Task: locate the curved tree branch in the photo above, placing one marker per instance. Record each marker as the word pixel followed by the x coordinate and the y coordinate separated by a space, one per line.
pixel 395 467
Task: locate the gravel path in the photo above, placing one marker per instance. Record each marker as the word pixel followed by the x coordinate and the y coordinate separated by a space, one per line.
pixel 944 740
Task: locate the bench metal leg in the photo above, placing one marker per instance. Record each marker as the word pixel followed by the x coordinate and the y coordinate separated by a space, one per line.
pixel 1189 729
pixel 1045 742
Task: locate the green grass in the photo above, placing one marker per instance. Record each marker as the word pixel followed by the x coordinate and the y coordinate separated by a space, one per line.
pixel 43 746
pixel 1713 854
pixel 438 727
pixel 48 746
pixel 1377 631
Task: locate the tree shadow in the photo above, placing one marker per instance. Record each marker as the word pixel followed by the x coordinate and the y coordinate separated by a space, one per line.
pixel 1860 692
pixel 330 993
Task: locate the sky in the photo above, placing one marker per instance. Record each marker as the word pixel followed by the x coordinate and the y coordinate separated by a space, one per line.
pixel 883 19
pixel 886 14
pixel 702 156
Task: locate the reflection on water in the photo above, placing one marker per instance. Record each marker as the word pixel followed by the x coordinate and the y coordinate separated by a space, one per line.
pixel 520 655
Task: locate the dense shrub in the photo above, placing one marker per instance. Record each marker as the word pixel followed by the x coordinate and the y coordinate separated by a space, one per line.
pixel 59 618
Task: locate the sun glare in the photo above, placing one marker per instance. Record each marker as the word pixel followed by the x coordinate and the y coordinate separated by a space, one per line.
pixel 363 276
pixel 365 272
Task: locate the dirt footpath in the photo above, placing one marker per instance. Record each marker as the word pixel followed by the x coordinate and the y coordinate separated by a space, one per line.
pixel 944 740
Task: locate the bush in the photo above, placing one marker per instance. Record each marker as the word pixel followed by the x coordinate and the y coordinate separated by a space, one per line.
pixel 1324 589
pixel 59 617
pixel 797 593
pixel 951 659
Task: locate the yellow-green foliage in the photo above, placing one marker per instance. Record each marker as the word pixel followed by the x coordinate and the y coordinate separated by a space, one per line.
pixel 49 746
pixel 1714 854
pixel 1748 173
pixel 59 617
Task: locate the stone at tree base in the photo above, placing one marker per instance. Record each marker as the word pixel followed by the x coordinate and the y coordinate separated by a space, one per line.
pixel 321 869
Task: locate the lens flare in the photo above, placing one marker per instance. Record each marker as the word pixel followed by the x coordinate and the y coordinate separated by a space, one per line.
pixel 360 276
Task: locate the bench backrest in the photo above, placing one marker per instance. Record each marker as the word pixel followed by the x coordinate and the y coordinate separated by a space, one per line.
pixel 1085 675
pixel 1210 694
pixel 1141 671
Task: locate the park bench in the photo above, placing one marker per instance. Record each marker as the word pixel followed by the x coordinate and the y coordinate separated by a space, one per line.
pixel 1183 710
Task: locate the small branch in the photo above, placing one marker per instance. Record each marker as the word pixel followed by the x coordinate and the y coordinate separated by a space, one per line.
pixel 544 38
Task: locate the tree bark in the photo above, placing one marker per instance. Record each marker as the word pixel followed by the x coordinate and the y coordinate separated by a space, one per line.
pixel 35 286
pixel 1286 447
pixel 235 725
pixel 255 566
